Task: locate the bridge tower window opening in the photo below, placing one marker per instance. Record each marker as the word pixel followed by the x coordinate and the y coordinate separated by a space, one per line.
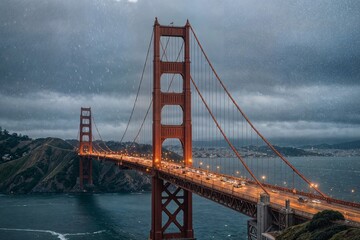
pixel 85 138
pixel 172 115
pixel 85 112
pixel 173 151
pixel 172 49
pixel 171 83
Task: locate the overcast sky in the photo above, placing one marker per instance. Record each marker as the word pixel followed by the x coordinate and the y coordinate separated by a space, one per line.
pixel 293 66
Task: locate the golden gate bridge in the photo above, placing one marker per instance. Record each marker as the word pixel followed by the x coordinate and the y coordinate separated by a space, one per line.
pixel 189 101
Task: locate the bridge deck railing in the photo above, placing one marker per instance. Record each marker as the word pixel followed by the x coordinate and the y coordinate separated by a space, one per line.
pixel 148 163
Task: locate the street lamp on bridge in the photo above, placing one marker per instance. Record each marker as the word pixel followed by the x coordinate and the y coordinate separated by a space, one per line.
pixel 315 186
pixel 263 177
pixel 352 194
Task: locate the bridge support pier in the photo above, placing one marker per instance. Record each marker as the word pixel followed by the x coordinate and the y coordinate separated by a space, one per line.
pixel 85 175
pixel 256 227
pixel 263 216
pixel 171 211
pixel 288 216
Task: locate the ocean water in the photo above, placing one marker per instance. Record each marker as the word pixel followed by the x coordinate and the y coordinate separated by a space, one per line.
pixel 127 216
pixel 104 216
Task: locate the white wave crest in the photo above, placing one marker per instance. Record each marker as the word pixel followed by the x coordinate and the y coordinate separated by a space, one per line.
pixel 61 236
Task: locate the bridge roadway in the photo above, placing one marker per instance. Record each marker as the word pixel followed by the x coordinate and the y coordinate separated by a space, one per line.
pixel 243 199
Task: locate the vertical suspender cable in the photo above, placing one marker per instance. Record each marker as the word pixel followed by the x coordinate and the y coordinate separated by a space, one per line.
pixel 253 127
pixel 227 140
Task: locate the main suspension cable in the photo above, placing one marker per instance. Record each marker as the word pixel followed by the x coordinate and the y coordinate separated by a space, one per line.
pixel 100 136
pixel 138 90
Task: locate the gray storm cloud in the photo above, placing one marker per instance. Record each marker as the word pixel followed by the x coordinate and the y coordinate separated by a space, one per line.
pixel 292 66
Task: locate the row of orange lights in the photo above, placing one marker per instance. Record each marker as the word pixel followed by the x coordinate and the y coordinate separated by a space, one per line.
pixel 263 177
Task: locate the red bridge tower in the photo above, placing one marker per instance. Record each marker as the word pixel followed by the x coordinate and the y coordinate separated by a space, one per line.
pixel 162 195
pixel 85 147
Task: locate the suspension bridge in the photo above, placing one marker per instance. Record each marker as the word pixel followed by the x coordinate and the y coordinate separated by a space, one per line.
pixel 181 97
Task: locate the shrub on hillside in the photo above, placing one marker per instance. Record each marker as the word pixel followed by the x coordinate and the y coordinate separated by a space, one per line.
pixel 330 215
pixel 317 224
pixel 323 219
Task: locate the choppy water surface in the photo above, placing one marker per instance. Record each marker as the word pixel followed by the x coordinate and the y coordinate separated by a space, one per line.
pixel 104 216
pixel 127 216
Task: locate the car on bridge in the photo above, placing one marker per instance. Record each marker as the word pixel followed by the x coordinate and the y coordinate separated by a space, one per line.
pixel 231 181
pixel 224 179
pixel 302 200
pixel 317 201
pixel 237 185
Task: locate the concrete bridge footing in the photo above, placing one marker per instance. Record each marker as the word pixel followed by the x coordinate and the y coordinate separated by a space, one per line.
pixel 265 222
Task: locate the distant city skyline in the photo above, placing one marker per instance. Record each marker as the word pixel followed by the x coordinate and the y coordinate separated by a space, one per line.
pixel 292 66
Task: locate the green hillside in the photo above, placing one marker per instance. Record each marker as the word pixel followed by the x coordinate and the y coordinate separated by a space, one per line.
pixel 325 225
pixel 52 165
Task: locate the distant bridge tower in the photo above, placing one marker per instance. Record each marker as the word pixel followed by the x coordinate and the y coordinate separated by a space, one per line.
pixel 162 195
pixel 85 147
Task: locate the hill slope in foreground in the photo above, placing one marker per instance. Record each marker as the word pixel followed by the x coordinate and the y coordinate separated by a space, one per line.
pixel 52 165
pixel 325 225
